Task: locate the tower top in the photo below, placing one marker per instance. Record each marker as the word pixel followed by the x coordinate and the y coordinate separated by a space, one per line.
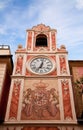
pixel 41 38
pixel 41 27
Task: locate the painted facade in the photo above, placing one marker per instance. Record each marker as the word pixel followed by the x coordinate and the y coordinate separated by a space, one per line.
pixel 41 92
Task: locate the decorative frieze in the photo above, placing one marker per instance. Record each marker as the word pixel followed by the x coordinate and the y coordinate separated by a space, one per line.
pixel 63 66
pixel 14 100
pixel 53 40
pixel 29 40
pixel 19 65
pixel 66 100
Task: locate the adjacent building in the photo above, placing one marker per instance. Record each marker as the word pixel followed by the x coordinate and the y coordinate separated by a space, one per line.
pixel 6 67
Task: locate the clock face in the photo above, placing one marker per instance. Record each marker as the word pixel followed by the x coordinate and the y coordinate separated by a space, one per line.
pixel 41 65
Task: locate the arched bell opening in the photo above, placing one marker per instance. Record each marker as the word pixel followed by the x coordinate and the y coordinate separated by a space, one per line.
pixel 41 40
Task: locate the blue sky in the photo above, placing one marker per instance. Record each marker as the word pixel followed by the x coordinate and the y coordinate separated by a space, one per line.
pixel 64 15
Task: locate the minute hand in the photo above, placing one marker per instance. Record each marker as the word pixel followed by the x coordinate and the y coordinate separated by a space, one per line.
pixel 41 65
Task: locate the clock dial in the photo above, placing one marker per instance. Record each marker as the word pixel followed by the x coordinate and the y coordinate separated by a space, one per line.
pixel 41 65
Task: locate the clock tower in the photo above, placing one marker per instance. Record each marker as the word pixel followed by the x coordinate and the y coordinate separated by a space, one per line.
pixel 41 89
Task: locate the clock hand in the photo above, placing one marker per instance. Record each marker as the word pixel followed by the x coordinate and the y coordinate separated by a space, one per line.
pixel 41 65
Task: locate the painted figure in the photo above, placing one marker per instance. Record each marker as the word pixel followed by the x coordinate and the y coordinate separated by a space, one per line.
pixel 63 65
pixel 40 103
pixel 19 65
pixel 66 100
pixel 14 100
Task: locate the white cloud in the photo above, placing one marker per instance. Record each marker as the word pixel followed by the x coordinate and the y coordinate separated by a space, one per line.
pixel 4 4
pixel 79 4
pixel 58 14
pixel 2 31
pixel 61 17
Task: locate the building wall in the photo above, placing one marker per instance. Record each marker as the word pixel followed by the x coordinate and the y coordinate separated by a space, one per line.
pixel 6 67
pixel 76 70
